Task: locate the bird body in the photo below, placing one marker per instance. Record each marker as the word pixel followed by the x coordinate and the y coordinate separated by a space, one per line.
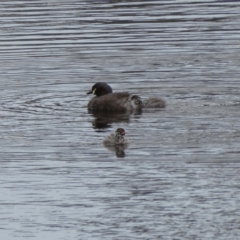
pixel 116 138
pixel 106 100
pixel 119 102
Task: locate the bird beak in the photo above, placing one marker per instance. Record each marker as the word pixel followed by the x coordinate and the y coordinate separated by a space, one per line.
pixel 92 91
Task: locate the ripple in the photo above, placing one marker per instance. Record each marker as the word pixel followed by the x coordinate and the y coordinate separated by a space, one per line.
pixel 58 181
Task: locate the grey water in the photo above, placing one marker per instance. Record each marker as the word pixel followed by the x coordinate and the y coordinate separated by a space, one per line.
pixel 178 178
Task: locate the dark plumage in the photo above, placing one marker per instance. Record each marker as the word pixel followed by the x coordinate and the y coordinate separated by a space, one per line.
pixel 108 101
pixel 119 102
pixel 100 89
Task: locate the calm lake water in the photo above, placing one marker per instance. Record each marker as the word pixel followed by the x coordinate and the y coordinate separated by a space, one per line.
pixel 179 177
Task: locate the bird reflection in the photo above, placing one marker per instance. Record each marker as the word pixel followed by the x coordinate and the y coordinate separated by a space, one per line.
pixel 119 150
pixel 105 120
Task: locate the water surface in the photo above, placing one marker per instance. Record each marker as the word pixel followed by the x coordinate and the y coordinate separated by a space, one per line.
pixel 178 179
